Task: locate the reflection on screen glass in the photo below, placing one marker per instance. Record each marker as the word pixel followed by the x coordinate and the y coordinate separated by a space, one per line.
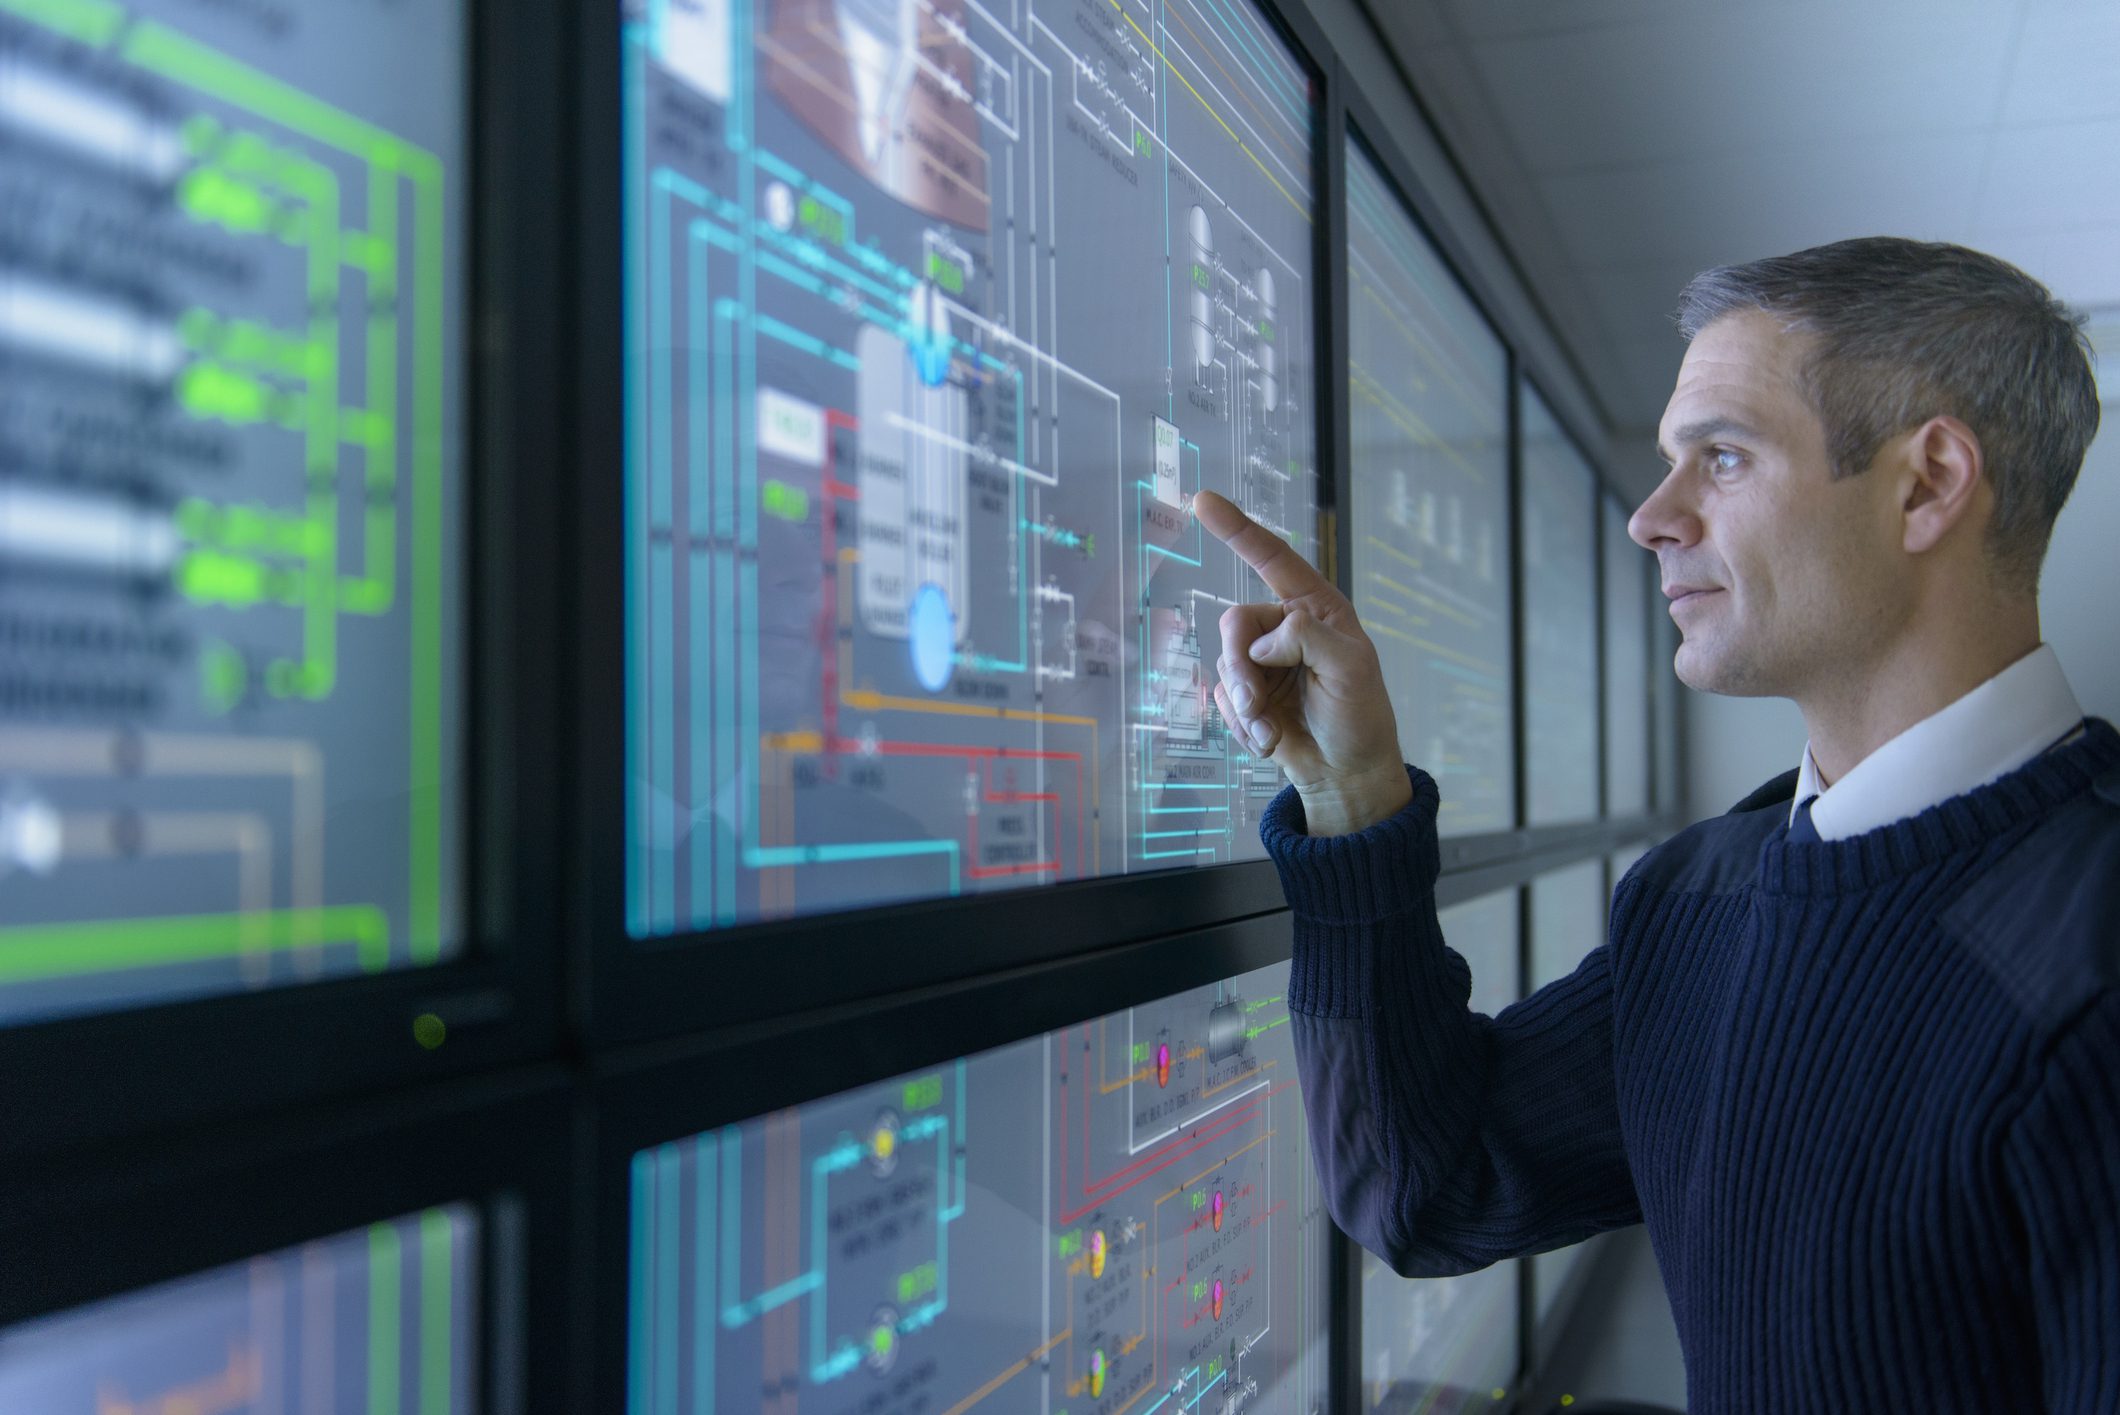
pixel 1118 1216
pixel 380 1319
pixel 1568 910
pixel 941 314
pixel 1560 620
pixel 1449 1343
pixel 1629 572
pixel 1428 394
pixel 229 334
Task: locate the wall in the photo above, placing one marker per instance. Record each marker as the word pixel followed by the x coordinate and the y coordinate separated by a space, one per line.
pixel 2076 593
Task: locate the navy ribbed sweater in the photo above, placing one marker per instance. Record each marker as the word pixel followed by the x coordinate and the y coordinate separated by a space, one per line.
pixel 1865 1093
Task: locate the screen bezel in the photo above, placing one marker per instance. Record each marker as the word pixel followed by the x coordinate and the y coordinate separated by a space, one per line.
pixel 116 1219
pixel 108 1073
pixel 643 988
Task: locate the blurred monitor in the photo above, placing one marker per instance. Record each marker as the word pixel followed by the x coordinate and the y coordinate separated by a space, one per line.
pixel 383 1318
pixel 1117 1216
pixel 1559 545
pixel 1428 519
pixel 1629 572
pixel 940 316
pixel 231 390
pixel 1449 1343
pixel 1569 908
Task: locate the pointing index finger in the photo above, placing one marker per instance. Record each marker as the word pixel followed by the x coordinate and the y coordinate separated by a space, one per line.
pixel 1286 573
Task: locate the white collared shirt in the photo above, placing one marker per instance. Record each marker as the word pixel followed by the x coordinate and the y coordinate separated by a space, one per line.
pixel 1990 732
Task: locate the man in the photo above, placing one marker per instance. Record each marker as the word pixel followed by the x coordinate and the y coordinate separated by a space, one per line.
pixel 1854 1057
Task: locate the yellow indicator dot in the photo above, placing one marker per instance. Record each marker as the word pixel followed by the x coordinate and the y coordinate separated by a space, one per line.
pixel 429 1030
pixel 1500 1394
pixel 1567 1400
pixel 885 1143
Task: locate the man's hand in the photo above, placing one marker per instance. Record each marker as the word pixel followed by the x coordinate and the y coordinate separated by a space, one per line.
pixel 1301 682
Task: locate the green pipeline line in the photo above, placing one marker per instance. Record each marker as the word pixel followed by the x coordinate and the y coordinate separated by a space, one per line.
pixel 426 668
pixel 385 1318
pixel 374 590
pixel 437 1297
pixel 33 952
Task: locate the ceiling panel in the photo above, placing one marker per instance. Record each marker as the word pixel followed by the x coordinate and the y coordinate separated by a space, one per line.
pixel 2067 66
pixel 1728 80
pixel 2056 176
pixel 1711 210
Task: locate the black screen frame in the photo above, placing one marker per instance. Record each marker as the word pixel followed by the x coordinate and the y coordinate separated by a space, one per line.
pixel 644 988
pixel 161 1066
pixel 114 1220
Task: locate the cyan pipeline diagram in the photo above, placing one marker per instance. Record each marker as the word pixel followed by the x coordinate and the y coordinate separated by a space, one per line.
pixel 383 1318
pixel 1118 1218
pixel 227 493
pixel 942 312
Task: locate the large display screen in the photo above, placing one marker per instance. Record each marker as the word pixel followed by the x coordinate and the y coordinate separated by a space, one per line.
pixel 1628 573
pixel 229 403
pixel 380 1319
pixel 1449 1343
pixel 1568 911
pixel 1429 400
pixel 915 605
pixel 1117 1218
pixel 1559 534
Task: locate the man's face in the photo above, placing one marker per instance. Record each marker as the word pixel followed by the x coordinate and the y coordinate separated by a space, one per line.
pixel 1780 578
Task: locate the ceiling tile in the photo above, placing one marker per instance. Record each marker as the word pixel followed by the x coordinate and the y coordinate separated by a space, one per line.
pixel 2059 176
pixel 1710 210
pixel 2066 65
pixel 2081 266
pixel 1725 80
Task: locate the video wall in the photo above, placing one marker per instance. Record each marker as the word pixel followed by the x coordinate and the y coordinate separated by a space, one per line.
pixel 911 605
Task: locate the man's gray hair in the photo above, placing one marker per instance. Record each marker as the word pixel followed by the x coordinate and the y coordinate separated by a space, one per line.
pixel 1906 330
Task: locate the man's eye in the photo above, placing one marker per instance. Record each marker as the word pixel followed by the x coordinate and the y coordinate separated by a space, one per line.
pixel 1726 459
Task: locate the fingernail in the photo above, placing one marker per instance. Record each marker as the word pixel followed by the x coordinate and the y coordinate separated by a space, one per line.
pixel 1260 734
pixel 1240 694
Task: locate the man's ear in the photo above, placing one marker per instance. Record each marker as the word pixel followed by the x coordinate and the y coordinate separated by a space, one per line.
pixel 1943 470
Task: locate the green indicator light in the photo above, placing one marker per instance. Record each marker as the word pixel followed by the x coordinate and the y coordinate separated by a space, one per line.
pixel 881 1341
pixel 429 1030
pixel 1201 278
pixel 787 503
pixel 923 1092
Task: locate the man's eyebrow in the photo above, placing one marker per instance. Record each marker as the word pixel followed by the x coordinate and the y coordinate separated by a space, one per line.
pixel 1693 434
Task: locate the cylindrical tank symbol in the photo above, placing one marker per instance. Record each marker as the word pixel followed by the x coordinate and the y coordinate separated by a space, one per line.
pixel 1163 1063
pixel 1225 1032
pixel 1097 1368
pixel 1214 1210
pixel 1097 1250
pixel 1200 280
pixel 1218 1299
pixel 1269 360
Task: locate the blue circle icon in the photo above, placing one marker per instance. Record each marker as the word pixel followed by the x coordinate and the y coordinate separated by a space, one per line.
pixel 934 635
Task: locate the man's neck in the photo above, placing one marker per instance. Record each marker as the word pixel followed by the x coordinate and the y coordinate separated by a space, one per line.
pixel 1856 714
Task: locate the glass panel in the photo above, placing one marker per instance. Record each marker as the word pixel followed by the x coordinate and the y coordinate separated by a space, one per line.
pixel 1116 1216
pixel 381 1318
pixel 1447 1343
pixel 1628 569
pixel 1666 686
pixel 1568 914
pixel 915 602
pixel 1560 619
pixel 1428 398
pixel 230 315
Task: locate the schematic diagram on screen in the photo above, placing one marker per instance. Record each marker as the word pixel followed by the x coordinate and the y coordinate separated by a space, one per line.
pixel 941 315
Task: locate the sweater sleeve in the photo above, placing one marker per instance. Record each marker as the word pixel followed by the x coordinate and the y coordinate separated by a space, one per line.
pixel 2063 1167
pixel 1445 1140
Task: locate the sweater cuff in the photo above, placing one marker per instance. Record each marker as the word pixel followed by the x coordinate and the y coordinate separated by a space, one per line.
pixel 1386 870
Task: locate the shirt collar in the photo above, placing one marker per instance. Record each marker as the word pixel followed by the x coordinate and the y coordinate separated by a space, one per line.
pixel 1988 733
